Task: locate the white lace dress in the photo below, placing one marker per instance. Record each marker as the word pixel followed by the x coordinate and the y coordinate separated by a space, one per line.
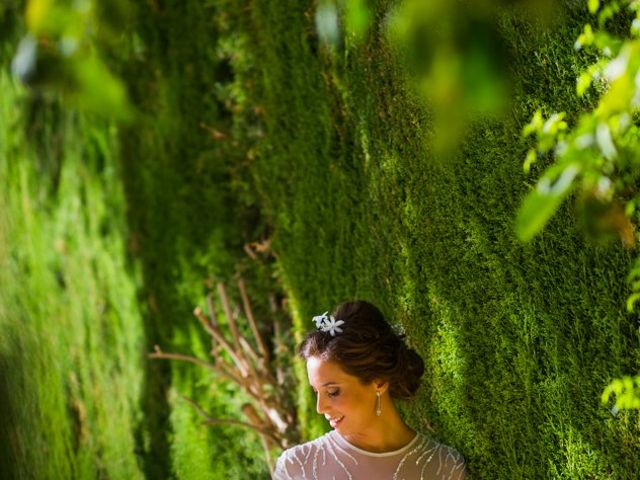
pixel 331 457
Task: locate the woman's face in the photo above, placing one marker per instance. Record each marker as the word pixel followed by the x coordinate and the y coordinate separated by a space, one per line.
pixel 346 403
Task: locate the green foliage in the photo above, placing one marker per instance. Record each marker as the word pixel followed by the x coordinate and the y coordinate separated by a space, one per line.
pixel 626 391
pixel 458 60
pixel 70 369
pixel 354 16
pixel 599 155
pixel 181 170
pixel 519 339
pixel 61 53
pixel 328 141
pixel 455 57
pixel 180 226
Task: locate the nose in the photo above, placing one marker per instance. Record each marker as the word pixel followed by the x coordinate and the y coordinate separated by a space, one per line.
pixel 319 404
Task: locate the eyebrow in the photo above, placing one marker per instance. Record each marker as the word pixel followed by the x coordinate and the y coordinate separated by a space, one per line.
pixel 329 383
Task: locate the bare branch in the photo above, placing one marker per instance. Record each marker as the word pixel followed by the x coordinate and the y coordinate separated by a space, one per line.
pixel 178 356
pixel 253 372
pixel 267 454
pixel 252 321
pixel 212 311
pixel 277 327
pixel 248 349
pixel 254 418
pixel 209 420
pixel 250 365
pixel 217 334
pixel 213 319
pixel 226 306
pixel 196 405
pixel 262 372
pixel 248 251
pixel 196 361
pixel 272 303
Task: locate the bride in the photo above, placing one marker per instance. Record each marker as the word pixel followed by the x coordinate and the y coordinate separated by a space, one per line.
pixel 357 366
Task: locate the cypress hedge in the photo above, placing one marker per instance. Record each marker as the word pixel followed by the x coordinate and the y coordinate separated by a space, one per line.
pixel 519 339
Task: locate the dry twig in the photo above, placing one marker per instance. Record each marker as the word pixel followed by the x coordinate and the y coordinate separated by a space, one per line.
pixel 255 371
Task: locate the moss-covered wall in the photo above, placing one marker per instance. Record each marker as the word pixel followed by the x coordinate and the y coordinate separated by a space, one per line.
pixel 176 230
pixel 519 340
pixel 185 229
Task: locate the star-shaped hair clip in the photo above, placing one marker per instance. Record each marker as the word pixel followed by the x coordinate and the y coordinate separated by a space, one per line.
pixel 328 323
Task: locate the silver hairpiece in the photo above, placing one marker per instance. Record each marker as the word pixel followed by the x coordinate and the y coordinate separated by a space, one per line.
pixel 398 329
pixel 327 323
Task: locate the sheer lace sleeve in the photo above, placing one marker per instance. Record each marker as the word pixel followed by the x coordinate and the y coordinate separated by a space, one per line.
pixel 293 463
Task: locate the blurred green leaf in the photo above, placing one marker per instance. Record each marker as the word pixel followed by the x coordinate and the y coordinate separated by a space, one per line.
pixel 50 18
pixel 530 160
pixel 541 203
pixel 357 18
pixel 99 91
pixel 626 391
pixel 630 208
pixel 534 125
pixel 61 53
pixel 609 11
pixel 634 30
pixel 586 37
pixel 584 82
pixel 631 301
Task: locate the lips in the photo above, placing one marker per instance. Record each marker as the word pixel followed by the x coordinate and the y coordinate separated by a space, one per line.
pixel 335 421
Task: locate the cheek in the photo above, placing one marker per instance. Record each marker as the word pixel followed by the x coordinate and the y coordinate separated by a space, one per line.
pixel 342 403
pixel 354 405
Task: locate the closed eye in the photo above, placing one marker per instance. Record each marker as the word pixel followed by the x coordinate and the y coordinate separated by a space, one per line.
pixel 330 393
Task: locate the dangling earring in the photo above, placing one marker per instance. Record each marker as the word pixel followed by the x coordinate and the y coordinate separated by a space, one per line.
pixel 378 407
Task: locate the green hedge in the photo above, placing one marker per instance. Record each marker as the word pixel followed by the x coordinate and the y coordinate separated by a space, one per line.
pixel 519 340
pixel 164 183
pixel 186 231
pixel 70 363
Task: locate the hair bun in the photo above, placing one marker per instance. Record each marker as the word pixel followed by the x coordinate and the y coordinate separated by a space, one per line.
pixel 409 370
pixel 368 348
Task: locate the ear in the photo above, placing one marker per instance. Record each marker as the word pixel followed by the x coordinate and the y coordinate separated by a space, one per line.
pixel 380 385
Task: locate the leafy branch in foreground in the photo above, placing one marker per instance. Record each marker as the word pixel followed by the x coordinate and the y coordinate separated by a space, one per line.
pixel 247 362
pixel 599 157
pixel 65 50
pixel 626 391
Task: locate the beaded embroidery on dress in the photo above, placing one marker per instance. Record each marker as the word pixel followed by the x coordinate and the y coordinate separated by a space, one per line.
pixel 331 457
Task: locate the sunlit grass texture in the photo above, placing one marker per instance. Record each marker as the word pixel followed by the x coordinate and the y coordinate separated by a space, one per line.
pixel 519 340
pixel 70 364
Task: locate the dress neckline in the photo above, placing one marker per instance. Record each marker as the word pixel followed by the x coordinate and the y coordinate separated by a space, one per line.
pixel 345 443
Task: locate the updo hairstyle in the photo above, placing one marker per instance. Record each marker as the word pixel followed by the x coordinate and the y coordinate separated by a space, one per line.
pixel 367 348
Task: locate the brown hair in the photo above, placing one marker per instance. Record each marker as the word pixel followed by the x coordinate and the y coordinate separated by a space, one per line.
pixel 367 348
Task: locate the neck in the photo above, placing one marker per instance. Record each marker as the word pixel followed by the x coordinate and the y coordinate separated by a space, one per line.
pixel 387 433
